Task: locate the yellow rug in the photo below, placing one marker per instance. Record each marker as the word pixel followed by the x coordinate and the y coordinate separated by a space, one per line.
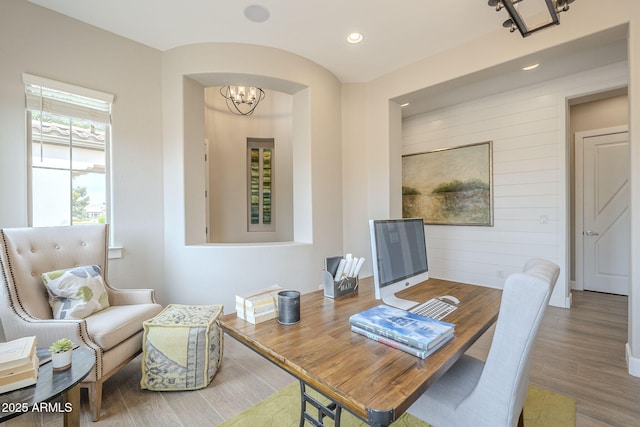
pixel 282 409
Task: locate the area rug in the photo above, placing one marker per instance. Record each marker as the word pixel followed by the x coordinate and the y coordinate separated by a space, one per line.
pixel 282 409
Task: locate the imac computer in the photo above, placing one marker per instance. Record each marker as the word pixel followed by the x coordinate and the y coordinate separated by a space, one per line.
pixel 399 255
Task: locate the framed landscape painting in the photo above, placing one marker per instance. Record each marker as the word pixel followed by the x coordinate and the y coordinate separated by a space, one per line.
pixel 452 186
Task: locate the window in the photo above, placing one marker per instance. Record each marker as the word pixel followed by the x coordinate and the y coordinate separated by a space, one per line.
pixel 260 155
pixel 68 131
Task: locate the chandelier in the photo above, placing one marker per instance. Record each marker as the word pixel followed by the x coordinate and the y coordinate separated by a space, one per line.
pixel 242 100
pixel 529 16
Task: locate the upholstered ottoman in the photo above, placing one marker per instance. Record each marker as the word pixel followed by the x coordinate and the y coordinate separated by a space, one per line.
pixel 181 348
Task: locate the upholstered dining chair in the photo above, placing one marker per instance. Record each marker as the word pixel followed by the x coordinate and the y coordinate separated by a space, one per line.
pixel 113 334
pixel 492 393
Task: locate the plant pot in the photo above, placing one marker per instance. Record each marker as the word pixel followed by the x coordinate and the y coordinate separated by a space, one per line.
pixel 61 361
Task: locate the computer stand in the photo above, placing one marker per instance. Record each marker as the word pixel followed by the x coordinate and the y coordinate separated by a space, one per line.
pixel 403 304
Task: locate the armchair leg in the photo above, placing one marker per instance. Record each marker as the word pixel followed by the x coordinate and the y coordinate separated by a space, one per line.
pixel 95 399
pixel 95 388
pixel 521 419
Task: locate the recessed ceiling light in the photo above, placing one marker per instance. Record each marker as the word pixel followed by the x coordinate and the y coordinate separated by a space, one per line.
pixel 530 67
pixel 354 38
pixel 256 13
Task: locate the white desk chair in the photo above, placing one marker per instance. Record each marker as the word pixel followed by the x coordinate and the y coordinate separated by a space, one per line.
pixel 492 393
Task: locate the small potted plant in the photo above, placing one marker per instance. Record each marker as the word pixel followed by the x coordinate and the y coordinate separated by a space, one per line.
pixel 61 352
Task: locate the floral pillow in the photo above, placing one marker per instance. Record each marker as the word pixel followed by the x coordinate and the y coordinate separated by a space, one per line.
pixel 76 293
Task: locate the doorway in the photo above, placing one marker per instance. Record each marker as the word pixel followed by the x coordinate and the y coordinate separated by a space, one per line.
pixel 600 250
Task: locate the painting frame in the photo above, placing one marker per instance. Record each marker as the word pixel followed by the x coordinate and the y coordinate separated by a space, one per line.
pixel 450 186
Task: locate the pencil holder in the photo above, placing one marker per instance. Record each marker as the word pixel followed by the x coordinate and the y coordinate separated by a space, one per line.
pixel 338 288
pixel 288 307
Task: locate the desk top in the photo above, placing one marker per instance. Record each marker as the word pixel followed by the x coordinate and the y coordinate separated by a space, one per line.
pixel 374 381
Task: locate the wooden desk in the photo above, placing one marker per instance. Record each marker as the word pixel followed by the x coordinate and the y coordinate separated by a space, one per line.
pixel 371 380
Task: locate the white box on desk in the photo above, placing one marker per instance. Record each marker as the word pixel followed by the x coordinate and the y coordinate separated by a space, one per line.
pixel 258 306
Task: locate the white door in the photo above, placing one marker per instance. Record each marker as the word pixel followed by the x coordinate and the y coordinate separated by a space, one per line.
pixel 606 226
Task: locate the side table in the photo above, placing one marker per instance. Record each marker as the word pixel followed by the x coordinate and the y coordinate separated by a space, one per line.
pixel 49 386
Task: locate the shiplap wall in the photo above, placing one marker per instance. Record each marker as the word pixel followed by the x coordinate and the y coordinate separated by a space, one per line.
pixel 528 130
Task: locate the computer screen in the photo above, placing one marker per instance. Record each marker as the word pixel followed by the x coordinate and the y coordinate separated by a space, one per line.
pixel 399 255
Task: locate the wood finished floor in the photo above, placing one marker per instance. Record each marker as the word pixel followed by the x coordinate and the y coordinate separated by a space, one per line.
pixel 579 353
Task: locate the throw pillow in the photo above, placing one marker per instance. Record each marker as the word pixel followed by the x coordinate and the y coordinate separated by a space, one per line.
pixel 76 293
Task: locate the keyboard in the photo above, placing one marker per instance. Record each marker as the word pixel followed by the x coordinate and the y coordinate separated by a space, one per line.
pixel 434 308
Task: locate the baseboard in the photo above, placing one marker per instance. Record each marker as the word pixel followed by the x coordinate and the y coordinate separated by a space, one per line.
pixel 633 363
pixel 560 301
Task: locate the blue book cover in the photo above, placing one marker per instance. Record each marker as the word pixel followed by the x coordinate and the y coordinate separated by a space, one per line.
pixel 404 327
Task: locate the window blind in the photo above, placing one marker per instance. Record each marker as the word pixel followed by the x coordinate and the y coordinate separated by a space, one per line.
pixel 44 94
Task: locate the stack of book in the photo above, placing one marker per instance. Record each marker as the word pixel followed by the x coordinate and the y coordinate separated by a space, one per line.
pixel 258 306
pixel 18 364
pixel 409 332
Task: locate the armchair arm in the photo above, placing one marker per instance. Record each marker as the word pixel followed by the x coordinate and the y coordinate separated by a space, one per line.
pixel 131 296
pixel 49 330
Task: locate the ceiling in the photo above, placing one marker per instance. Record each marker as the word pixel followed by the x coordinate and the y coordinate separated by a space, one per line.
pixel 590 52
pixel 396 34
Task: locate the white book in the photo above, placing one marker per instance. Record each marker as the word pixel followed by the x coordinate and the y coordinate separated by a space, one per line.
pixel 17 352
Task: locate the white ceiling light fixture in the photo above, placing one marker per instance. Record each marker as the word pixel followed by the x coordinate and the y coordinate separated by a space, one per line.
pixel 530 67
pixel 529 16
pixel 355 38
pixel 242 100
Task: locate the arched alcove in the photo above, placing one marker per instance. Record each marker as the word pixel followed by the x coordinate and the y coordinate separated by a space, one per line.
pixel 227 136
pixel 217 194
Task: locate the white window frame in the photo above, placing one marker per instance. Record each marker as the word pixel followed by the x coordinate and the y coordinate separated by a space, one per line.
pixel 74 102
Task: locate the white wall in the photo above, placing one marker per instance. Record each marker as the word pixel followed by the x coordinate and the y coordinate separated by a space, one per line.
pixel 530 163
pixel 151 195
pixel 633 346
pixel 227 134
pixel 354 148
pixel 44 43
pixel 599 114
pixel 584 19
pixel 214 273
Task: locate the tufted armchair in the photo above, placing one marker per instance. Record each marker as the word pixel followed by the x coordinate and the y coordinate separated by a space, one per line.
pixel 114 334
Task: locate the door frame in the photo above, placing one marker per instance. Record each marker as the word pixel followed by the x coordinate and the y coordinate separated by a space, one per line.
pixel 578 199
